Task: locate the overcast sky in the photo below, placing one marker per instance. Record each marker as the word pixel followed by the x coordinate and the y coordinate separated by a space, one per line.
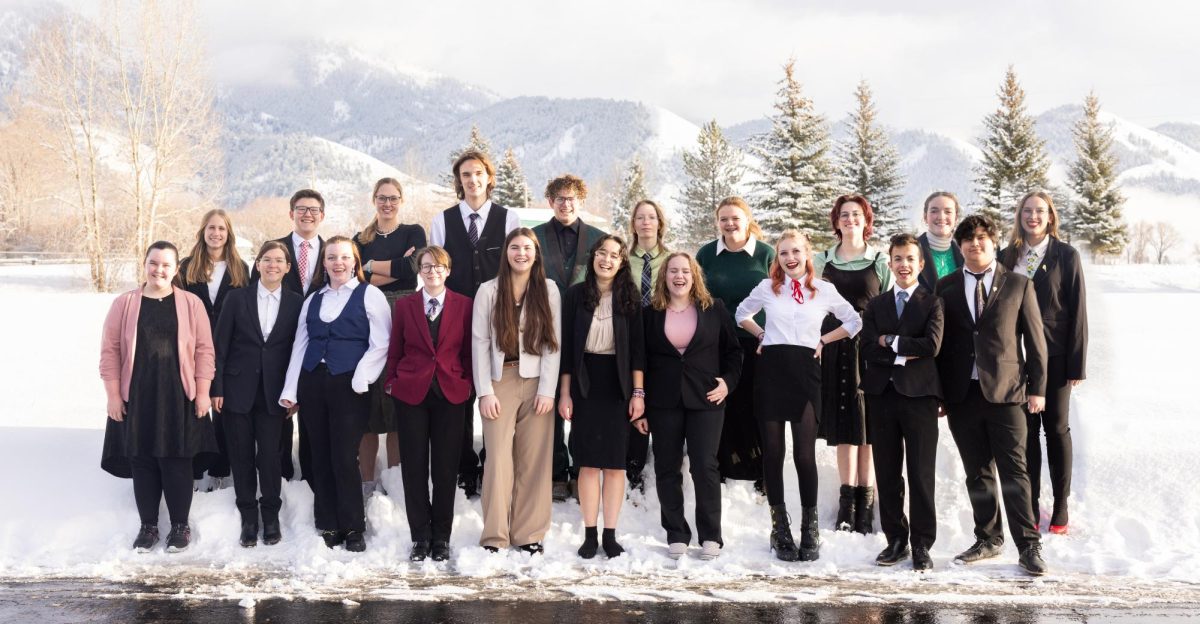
pixel 933 65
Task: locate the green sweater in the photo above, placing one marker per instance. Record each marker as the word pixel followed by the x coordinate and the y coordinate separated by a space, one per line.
pixel 730 276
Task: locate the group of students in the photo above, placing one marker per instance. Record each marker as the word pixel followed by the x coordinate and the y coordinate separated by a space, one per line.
pixel 708 355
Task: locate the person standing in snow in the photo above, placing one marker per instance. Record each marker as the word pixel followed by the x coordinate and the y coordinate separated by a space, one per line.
pixel 157 363
pixel 1057 275
pixel 340 348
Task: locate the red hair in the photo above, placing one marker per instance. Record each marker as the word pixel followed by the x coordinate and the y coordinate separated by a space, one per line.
pixel 777 273
pixel 862 202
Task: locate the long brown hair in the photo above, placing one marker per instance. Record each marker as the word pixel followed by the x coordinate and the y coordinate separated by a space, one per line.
pixel 200 265
pixel 1018 232
pixel 699 293
pixel 537 316
pixel 321 277
pixel 777 272
pixel 368 233
pixel 752 226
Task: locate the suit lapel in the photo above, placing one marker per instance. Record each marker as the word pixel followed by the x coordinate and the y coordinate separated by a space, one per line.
pixel 700 318
pixel 997 283
pixel 1048 262
pixel 553 252
pixel 423 321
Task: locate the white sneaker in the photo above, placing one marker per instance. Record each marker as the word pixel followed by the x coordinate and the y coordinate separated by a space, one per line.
pixel 710 551
pixel 676 550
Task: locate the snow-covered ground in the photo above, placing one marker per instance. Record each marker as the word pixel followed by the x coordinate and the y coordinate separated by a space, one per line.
pixel 1135 511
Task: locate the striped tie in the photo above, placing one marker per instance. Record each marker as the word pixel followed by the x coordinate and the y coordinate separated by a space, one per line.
pixel 473 231
pixel 646 279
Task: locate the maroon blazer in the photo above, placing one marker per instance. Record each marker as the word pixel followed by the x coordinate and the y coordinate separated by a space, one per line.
pixel 412 361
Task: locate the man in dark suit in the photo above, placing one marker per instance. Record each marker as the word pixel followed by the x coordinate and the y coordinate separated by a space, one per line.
pixel 307 211
pixel 565 241
pixel 902 333
pixel 986 378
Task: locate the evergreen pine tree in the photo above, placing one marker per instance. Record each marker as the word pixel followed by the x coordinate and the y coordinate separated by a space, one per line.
pixel 714 172
pixel 869 165
pixel 1014 158
pixel 632 191
pixel 1093 178
pixel 794 188
pixel 512 189
pixel 477 143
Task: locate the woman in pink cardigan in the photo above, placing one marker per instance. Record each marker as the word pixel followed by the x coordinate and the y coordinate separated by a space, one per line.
pixel 157 362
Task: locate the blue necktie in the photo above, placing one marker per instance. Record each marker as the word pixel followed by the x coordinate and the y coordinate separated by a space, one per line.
pixel 901 299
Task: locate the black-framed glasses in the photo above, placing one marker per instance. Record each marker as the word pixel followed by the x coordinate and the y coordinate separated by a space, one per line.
pixel 308 209
pixel 388 199
pixel 560 201
pixel 432 268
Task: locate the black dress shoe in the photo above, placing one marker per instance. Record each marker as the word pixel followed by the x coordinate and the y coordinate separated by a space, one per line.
pixel 440 551
pixel 533 549
pixel 921 560
pixel 249 537
pixel 1031 559
pixel 896 551
pixel 469 484
pixel 271 532
pixel 355 541
pixel 982 549
pixel 420 550
pixel 491 549
pixel 333 538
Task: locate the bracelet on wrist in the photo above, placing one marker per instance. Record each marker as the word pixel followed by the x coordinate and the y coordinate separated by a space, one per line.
pixel 761 335
pixel 638 393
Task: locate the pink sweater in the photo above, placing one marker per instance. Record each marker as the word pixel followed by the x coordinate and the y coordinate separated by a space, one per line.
pixel 197 359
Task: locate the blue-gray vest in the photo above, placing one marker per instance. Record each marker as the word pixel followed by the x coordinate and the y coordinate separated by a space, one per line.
pixel 341 342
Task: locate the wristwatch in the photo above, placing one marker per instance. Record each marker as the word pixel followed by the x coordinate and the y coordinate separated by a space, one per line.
pixel 367 266
pixel 890 340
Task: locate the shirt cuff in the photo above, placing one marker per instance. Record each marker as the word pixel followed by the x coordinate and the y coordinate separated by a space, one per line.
pixel 900 360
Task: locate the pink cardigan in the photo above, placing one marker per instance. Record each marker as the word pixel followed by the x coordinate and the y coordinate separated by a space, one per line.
pixel 197 359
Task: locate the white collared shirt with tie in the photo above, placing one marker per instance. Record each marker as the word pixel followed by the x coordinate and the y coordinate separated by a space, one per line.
pixel 268 309
pixel 969 290
pixel 437 229
pixel 314 257
pixel 896 290
pixel 441 303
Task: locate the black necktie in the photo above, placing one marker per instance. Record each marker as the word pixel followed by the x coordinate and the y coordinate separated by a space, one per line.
pixel 646 279
pixel 473 231
pixel 980 293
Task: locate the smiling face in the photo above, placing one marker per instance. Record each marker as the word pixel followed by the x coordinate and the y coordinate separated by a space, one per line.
pixel 1035 218
pixel 474 179
pixel 564 204
pixel 732 224
pixel 906 262
pixel 307 215
pixel 793 257
pixel 679 277
pixel 979 250
pixel 607 260
pixel 645 224
pixel 521 252
pixel 388 200
pixel 216 233
pixel 433 274
pixel 272 265
pixel 159 269
pixel 851 221
pixel 940 215
pixel 339 263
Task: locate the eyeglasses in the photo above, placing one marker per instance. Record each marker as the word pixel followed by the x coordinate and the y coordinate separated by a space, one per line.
pixel 387 199
pixel 433 268
pixel 560 201
pixel 308 210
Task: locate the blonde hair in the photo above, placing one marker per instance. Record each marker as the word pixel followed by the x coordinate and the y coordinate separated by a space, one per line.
pixel 200 265
pixel 752 226
pixel 699 293
pixel 662 223
pixel 368 233
pixel 1017 238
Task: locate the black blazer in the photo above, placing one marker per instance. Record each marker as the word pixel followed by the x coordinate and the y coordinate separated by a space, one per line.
pixel 244 361
pixel 1062 299
pixel 292 280
pixel 1010 317
pixel 929 277
pixel 628 340
pixel 200 289
pixel 921 329
pixel 675 379
pixel 552 256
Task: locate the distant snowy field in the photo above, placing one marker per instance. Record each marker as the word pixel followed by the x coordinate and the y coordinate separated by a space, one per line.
pixel 1135 513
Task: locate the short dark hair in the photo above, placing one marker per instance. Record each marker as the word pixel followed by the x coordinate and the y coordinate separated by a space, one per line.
pixel 966 229
pixel 306 194
pixel 903 239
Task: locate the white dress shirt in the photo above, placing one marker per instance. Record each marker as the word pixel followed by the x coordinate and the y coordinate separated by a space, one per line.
pixel 333 301
pixel 441 303
pixel 314 257
pixel 214 282
pixel 969 291
pixel 268 309
pixel 751 241
pixel 1033 256
pixel 793 323
pixel 437 229
pixel 896 290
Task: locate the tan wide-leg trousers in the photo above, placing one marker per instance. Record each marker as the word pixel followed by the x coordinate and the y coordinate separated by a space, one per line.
pixel 516 474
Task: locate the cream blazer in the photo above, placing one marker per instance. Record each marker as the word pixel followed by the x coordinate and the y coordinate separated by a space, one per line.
pixel 487 360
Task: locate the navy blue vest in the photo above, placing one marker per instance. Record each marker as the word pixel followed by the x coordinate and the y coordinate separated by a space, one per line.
pixel 474 265
pixel 342 342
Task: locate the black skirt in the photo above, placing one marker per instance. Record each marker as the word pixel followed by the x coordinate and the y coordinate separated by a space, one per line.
pixel 788 380
pixel 160 421
pixel 600 423
pixel 739 454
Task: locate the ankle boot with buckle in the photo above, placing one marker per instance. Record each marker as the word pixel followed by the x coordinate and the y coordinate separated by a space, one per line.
pixel 781 535
pixel 810 537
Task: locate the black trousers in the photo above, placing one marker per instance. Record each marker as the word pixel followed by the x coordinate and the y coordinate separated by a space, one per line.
pixel 904 432
pixel 215 465
pixel 156 478
pixel 561 469
pixel 430 435
pixel 1055 421
pixel 635 454
pixel 336 419
pixel 470 464
pixel 287 468
pixel 253 442
pixel 994 432
pixel 740 453
pixel 700 430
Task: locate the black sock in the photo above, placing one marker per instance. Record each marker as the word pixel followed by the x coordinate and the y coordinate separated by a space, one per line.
pixel 589 547
pixel 611 547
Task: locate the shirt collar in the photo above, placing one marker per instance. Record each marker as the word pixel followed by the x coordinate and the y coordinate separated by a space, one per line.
pixel 263 292
pixel 482 212
pixel 297 239
pixel 989 272
pixel 425 297
pixel 639 253
pixel 1038 249
pixel 748 248
pixel 559 227
pixel 910 290
pixel 348 286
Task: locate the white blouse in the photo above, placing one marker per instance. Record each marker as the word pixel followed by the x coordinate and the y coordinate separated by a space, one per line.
pixel 799 324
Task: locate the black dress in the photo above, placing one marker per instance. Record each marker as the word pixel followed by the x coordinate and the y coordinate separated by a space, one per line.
pixel 843 407
pixel 160 421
